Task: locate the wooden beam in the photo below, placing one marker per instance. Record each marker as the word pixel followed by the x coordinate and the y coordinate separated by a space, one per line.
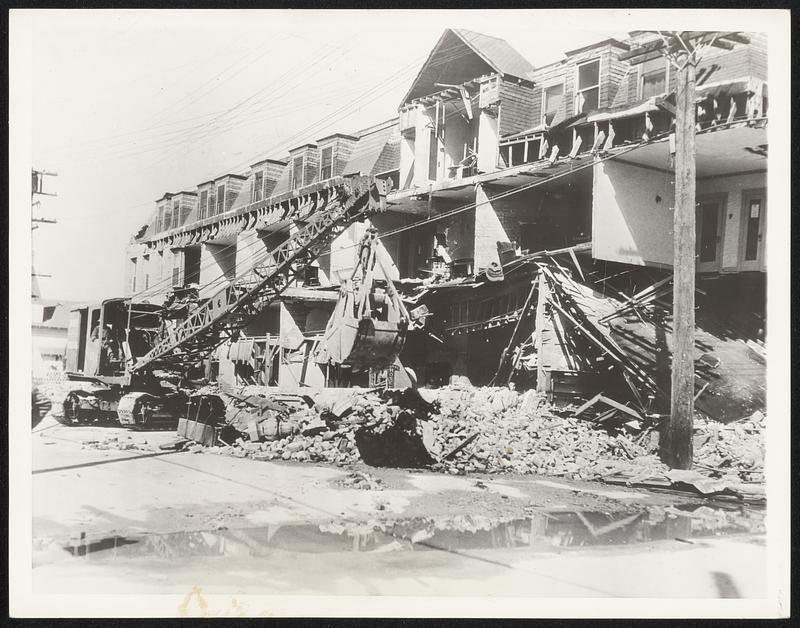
pixel 643 49
pixel 738 38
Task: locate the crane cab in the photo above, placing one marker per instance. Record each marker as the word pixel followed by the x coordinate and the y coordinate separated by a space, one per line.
pixel 102 338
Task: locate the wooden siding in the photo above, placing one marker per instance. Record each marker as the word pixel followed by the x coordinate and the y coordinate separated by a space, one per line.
pixel 516 108
pixel 233 186
pixel 311 166
pixel 612 77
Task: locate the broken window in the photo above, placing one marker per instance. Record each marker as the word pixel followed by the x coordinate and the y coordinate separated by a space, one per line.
pixel 551 101
pixel 587 97
pixel 653 80
pixel 297 173
pixel 220 199
pixel 504 156
pixel 326 163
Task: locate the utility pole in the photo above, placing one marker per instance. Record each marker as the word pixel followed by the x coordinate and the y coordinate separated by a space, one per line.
pixel 37 189
pixel 683 49
pixel 679 431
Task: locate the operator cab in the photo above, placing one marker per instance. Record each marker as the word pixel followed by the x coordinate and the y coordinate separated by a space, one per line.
pixel 102 337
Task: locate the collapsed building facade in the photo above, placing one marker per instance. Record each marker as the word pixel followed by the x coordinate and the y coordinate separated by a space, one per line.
pixel 508 183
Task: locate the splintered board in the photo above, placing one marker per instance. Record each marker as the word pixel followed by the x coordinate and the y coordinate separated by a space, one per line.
pixel 730 376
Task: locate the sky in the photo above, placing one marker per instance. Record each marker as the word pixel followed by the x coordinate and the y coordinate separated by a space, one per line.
pixel 128 105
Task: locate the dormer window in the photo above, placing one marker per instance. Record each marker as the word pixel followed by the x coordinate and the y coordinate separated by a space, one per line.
pixel 551 101
pixel 297 173
pixel 587 93
pixel 258 186
pixel 160 220
pixel 203 204
pixel 220 199
pixel 653 77
pixel 326 163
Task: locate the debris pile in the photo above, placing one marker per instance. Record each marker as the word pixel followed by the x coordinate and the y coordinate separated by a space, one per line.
pixel 523 434
pixel 380 428
pixel 735 449
pixel 362 481
pixel 117 443
pixel 461 430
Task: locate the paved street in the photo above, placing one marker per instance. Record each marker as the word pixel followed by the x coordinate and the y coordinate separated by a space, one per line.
pixel 133 518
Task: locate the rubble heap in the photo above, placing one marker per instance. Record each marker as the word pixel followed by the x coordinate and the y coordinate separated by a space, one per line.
pixel 523 434
pixel 733 449
pixel 492 430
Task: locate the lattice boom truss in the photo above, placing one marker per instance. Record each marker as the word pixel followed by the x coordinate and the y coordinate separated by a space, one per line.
pixel 229 310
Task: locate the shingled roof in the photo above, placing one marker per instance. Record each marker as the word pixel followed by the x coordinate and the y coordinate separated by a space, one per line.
pixel 498 53
pixel 461 55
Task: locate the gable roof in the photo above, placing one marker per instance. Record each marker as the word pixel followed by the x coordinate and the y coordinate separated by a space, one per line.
pixel 461 55
pixel 498 53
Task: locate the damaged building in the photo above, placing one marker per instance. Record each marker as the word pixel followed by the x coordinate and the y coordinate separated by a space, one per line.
pixel 530 216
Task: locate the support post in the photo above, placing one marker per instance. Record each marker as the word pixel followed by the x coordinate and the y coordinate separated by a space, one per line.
pixel 679 430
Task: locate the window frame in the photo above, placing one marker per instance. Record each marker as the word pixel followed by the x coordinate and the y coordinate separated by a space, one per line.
pixel 322 150
pixel 642 75
pixel 220 198
pixel 544 96
pixel 578 92
pixel 293 180
pixel 176 213
pixel 203 204
pixel 257 192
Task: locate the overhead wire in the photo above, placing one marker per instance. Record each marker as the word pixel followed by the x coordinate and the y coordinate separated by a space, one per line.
pixel 259 256
pixel 178 138
pixel 448 57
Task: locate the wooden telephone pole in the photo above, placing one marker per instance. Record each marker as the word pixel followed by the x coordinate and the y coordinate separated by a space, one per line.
pixel 679 431
pixel 683 49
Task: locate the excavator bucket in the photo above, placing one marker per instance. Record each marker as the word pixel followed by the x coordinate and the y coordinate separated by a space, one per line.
pixel 368 326
pixel 364 342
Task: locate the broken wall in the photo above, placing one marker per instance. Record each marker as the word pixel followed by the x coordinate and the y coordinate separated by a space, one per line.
pixel 547 217
pixel 296 320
